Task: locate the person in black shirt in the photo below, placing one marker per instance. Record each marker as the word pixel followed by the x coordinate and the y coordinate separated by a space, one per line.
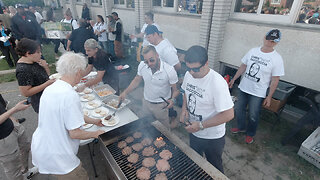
pixel 118 31
pixel 25 25
pixel 85 12
pixel 79 36
pixel 100 60
pixel 14 143
pixel 32 72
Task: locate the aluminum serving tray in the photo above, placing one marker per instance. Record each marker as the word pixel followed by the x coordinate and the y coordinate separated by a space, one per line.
pixel 115 99
pixel 104 87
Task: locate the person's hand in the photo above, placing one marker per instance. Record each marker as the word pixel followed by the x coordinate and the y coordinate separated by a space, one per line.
pixel 184 115
pixel 171 103
pixel 68 49
pixel 193 127
pixel 80 88
pixel 43 63
pixel 122 96
pixel 231 83
pixel 67 36
pixel 21 106
pixel 97 133
pixel 98 122
pixel 267 101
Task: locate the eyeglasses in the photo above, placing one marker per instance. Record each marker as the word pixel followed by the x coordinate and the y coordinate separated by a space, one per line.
pixel 197 69
pixel 151 60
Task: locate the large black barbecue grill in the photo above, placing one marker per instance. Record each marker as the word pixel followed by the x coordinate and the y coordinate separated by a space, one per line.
pixel 181 166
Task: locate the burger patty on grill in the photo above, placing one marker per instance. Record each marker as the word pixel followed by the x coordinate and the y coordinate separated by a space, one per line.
pixel 143 173
pixel 148 151
pixel 165 154
pixel 129 139
pixel 162 165
pixel 137 147
pixel 148 162
pixel 133 158
pixel 137 135
pixel 161 176
pixel 146 141
pixel 126 151
pixel 122 144
pixel 159 143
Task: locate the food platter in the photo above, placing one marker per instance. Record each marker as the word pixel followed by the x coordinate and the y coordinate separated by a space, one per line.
pixel 86 91
pixel 113 100
pixel 104 90
pixel 100 112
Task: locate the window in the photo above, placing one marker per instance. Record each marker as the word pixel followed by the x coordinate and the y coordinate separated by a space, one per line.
pixel 124 3
pixel 309 12
pixel 191 6
pixel 94 1
pixel 275 7
pixel 163 3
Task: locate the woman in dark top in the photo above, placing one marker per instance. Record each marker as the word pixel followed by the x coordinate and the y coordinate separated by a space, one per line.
pixel 32 72
pixel 85 12
pixel 7 47
pixel 100 60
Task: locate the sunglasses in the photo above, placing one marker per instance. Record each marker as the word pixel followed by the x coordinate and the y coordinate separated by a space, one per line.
pixel 151 60
pixel 197 69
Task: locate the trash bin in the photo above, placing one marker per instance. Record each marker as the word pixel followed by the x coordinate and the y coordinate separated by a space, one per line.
pixel 283 91
pixel 122 77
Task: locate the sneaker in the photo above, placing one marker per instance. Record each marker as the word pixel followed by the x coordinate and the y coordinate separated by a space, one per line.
pixel 249 139
pixel 236 131
pixel 31 172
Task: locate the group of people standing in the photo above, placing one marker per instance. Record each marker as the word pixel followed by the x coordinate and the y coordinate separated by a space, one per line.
pixel 207 104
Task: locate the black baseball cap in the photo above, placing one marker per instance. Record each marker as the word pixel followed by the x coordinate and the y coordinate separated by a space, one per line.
pixel 274 35
pixel 151 29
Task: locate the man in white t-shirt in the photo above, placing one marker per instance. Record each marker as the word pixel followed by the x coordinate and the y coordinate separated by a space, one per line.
pixel 165 49
pixel 74 24
pixel 56 140
pixel 261 69
pixel 159 85
pixel 148 18
pixel 207 106
pixel 39 18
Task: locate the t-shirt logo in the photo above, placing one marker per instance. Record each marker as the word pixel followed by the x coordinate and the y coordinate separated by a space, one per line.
pixel 253 71
pixel 192 104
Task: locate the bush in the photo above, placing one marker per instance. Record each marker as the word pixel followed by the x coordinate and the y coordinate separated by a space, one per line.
pixel 14 2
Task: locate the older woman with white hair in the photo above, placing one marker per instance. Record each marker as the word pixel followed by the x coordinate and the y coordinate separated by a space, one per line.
pixel 56 140
pixel 100 60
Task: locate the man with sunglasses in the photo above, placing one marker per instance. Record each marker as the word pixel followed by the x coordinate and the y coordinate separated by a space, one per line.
pixel 261 69
pixel 207 106
pixel 159 85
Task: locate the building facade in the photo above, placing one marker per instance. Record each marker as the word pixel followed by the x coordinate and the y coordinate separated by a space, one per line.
pixel 228 28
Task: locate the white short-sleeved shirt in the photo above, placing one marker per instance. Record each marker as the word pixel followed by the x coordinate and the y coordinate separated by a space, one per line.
pixel 206 97
pixel 260 69
pixel 74 23
pixel 145 40
pixel 167 52
pixel 38 17
pixel 100 27
pixel 158 84
pixel 53 150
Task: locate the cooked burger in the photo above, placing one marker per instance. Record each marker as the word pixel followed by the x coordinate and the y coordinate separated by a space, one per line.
pixel 159 143
pixel 129 139
pixel 148 151
pixel 148 162
pixel 161 176
pixel 137 147
pixel 162 165
pixel 165 154
pixel 137 135
pixel 143 173
pixel 146 141
pixel 127 150
pixel 122 144
pixel 133 158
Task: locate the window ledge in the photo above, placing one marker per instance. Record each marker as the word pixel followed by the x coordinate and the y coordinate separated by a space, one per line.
pixel 123 8
pixel 96 5
pixel 178 14
pixel 300 26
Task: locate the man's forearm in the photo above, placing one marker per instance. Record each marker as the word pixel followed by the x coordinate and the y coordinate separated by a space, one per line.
pixel 218 119
pixel 81 134
pixel 240 71
pixel 273 85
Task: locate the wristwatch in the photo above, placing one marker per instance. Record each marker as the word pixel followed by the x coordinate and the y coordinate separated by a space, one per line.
pixel 201 126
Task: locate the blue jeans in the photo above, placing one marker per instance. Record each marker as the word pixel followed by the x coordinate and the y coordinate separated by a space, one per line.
pixel 111 48
pixel 104 45
pixel 254 104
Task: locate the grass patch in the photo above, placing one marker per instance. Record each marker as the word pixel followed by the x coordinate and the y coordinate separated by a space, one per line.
pixel 7 77
pixel 4 65
pixel 48 53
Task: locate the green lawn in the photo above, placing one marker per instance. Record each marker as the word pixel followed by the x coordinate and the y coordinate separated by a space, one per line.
pixel 4 65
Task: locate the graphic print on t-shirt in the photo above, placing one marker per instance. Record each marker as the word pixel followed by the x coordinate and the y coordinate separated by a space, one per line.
pixel 255 67
pixel 192 101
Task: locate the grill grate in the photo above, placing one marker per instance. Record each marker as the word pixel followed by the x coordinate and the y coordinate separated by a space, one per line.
pixel 181 166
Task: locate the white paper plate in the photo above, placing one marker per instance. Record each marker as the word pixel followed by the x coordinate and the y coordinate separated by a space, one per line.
pixel 98 115
pixel 86 112
pixel 86 126
pixel 95 104
pixel 113 122
pixel 86 91
pixel 55 76
pixel 90 97
pixel 125 66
